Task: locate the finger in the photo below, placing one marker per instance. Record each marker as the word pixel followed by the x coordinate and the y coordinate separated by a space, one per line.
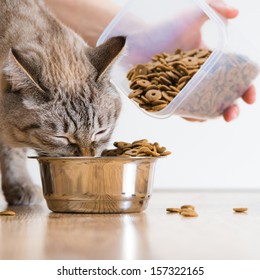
pixel 224 9
pixel 250 95
pixel 231 113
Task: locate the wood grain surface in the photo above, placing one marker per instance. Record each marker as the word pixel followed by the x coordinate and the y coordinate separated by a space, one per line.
pixel 217 233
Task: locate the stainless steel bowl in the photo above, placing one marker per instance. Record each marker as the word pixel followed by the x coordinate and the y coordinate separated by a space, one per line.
pixel 97 184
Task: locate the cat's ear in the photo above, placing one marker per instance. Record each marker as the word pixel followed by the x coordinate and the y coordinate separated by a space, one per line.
pixel 104 55
pixel 21 71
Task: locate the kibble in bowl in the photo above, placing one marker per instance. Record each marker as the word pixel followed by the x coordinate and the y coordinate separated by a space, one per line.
pixel 138 148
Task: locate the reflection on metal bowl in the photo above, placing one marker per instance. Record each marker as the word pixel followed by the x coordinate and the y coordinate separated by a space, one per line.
pixel 97 184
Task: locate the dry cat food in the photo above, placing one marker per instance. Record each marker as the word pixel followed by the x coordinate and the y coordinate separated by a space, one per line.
pixel 184 210
pixel 240 210
pixel 156 83
pixel 173 210
pixel 191 207
pixel 137 148
pixel 189 213
pixel 189 210
pixel 7 213
pixel 226 82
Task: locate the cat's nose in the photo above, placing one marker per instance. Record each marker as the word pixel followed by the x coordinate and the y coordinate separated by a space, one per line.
pixel 87 152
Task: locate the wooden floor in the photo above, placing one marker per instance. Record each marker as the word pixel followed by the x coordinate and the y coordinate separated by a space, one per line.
pixel 218 233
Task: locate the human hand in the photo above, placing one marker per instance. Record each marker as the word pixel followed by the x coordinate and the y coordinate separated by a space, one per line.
pixel 223 9
pixel 250 95
pixel 232 112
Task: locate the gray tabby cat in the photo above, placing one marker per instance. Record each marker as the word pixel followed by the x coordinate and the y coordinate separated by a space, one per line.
pixel 55 94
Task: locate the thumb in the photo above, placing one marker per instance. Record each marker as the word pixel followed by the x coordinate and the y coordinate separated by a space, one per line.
pixel 224 9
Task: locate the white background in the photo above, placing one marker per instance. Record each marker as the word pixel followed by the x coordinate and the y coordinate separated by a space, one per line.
pixel 209 155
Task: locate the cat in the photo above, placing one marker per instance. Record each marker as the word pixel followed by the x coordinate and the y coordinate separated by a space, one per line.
pixel 55 93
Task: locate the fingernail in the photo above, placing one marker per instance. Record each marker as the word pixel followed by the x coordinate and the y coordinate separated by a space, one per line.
pixel 234 114
pixel 222 5
pixel 224 8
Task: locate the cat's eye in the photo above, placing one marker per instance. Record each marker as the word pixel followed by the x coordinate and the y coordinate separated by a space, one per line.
pixel 97 136
pixel 63 138
pixel 103 131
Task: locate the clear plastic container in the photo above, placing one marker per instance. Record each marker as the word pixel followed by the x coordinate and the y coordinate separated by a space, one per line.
pixel 166 25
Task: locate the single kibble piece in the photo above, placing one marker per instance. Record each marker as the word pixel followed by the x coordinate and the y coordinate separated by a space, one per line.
pixel 240 210
pixel 173 210
pixel 189 213
pixel 191 207
pixel 7 213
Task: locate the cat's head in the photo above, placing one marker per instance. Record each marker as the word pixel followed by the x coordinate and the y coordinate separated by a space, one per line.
pixel 61 102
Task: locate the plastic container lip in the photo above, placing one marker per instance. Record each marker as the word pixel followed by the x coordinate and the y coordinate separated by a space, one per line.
pixel 198 77
pixel 97 159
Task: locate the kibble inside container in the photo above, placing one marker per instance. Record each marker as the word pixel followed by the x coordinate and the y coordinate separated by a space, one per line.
pixel 163 29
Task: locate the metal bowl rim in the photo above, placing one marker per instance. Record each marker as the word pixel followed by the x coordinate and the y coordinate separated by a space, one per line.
pixel 93 158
